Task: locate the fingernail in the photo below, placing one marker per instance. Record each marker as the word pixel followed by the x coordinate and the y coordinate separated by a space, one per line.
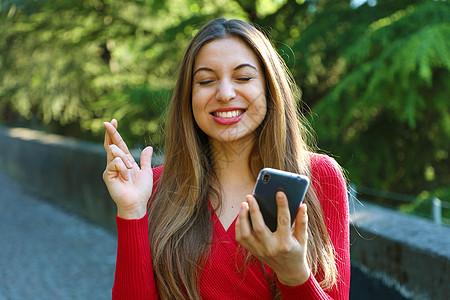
pixel 304 212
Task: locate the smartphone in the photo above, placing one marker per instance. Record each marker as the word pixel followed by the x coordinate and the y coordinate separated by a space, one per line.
pixel 269 182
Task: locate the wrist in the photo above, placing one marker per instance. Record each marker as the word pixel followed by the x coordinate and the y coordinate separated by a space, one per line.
pixel 294 279
pixel 131 213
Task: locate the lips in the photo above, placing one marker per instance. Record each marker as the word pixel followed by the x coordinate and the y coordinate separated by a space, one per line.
pixel 228 116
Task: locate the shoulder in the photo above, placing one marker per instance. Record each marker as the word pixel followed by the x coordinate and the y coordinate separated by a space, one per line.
pixel 157 171
pixel 327 178
pixel 325 166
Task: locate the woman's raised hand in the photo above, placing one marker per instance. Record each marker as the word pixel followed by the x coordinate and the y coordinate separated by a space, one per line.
pixel 129 185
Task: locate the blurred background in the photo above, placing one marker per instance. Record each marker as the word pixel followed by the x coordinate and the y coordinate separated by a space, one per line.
pixel 374 76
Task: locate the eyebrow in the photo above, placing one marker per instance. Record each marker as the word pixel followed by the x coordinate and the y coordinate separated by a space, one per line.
pixel 236 68
pixel 245 65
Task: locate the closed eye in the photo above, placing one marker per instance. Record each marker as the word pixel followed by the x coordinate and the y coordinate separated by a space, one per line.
pixel 205 82
pixel 244 79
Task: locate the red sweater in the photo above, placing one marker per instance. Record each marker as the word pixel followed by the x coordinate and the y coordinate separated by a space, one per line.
pixel 220 278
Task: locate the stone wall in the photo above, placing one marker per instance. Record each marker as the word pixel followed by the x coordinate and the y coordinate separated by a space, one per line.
pixel 65 171
pixel 405 253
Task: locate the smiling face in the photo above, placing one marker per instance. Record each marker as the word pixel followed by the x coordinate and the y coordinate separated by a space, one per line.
pixel 228 90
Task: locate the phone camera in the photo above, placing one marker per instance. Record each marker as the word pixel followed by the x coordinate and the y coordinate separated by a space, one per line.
pixel 266 177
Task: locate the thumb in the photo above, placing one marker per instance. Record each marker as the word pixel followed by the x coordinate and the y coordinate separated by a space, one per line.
pixel 301 225
pixel 146 159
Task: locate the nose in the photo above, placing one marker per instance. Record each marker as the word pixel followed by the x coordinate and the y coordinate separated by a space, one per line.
pixel 225 91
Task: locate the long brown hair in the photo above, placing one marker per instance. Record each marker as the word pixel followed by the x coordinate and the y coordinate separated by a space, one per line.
pixel 179 216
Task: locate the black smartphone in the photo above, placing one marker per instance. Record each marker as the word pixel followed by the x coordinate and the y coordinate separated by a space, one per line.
pixel 269 182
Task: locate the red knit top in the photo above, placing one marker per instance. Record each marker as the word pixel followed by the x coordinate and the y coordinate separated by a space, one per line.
pixel 220 278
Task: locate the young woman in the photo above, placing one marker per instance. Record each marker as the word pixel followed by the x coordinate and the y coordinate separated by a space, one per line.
pixel 233 112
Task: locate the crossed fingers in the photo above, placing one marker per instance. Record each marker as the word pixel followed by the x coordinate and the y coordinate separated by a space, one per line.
pixel 115 145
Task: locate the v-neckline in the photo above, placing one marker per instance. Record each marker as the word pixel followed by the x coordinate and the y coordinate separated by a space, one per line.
pixel 218 226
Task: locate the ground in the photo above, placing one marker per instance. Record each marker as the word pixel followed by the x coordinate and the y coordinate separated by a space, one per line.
pixel 48 253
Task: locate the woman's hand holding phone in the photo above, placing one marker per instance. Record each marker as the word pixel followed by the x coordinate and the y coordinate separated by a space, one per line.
pixel 284 250
pixel 267 232
pixel 129 185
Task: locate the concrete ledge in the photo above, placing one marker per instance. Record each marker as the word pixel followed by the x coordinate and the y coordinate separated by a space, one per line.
pixel 66 171
pixel 408 254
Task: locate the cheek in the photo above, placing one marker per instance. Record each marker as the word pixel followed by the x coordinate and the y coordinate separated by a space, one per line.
pixel 260 108
pixel 262 112
pixel 195 111
pixel 198 108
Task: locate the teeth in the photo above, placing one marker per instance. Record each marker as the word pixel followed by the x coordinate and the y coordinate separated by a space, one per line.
pixel 229 114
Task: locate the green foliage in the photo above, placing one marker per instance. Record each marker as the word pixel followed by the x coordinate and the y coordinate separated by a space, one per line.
pixel 388 114
pixel 375 77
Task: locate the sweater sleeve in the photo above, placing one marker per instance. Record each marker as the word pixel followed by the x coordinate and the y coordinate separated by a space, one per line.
pixel 134 277
pixel 331 189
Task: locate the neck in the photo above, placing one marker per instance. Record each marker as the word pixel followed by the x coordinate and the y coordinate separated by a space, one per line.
pixel 230 161
pixel 235 180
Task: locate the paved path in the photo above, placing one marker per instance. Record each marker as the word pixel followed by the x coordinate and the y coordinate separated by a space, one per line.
pixel 47 253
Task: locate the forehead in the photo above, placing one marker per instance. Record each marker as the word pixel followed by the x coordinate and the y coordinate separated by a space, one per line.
pixel 230 50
